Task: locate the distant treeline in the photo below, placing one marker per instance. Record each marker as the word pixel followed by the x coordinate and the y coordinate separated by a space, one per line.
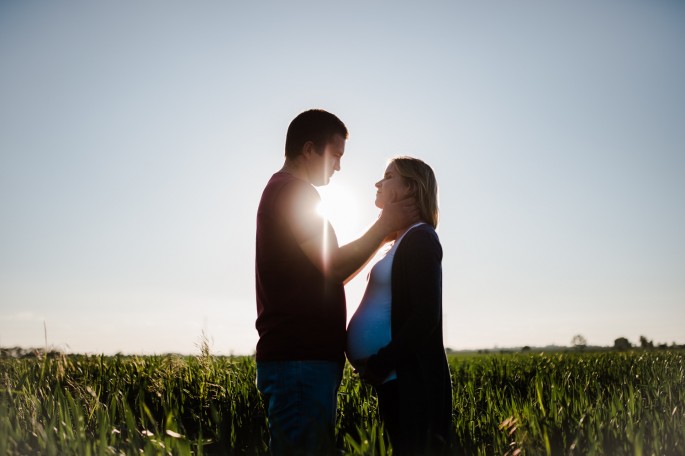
pixel 21 352
pixel 579 343
pixel 620 344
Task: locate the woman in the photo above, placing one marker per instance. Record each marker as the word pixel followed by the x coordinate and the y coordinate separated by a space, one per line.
pixel 394 339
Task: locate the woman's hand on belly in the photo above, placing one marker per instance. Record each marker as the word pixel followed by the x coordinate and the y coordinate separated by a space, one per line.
pixel 371 376
pixel 359 365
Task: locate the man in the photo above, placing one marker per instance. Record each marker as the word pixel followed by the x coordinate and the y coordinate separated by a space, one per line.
pixel 300 276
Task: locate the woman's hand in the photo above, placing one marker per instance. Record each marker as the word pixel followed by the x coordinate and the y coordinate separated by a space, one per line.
pixel 360 366
pixel 371 376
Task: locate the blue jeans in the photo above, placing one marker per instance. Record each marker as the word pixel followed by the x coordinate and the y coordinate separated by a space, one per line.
pixel 301 403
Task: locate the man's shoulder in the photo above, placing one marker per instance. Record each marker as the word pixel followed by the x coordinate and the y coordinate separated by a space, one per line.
pixel 281 180
pixel 288 193
pixel 277 184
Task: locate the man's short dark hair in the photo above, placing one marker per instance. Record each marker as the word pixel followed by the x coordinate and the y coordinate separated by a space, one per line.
pixel 315 125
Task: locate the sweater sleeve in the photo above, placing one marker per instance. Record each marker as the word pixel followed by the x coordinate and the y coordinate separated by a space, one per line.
pixel 417 301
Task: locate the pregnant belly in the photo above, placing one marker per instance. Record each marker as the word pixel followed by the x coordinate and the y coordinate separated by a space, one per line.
pixel 365 337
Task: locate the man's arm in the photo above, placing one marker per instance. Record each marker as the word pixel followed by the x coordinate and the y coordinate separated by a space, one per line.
pixel 342 263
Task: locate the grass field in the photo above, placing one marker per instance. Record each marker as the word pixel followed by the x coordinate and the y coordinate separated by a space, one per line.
pixel 628 403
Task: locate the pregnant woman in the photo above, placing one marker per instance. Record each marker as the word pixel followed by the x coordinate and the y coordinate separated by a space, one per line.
pixel 394 339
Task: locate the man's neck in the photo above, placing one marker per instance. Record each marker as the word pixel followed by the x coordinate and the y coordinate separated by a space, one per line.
pixel 294 170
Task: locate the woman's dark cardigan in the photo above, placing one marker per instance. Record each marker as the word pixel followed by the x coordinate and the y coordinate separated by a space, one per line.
pixel 416 350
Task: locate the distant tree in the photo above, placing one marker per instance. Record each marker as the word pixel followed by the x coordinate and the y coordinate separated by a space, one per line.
pixel 646 343
pixel 579 341
pixel 622 344
pixel 525 349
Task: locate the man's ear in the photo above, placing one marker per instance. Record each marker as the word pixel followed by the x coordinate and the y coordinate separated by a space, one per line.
pixel 308 148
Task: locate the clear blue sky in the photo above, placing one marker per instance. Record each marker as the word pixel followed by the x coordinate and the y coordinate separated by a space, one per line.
pixel 136 137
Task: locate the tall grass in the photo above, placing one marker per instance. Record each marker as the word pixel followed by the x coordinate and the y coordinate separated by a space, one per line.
pixel 546 404
pixel 608 403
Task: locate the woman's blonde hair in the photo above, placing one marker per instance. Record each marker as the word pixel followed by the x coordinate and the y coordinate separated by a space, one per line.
pixel 422 185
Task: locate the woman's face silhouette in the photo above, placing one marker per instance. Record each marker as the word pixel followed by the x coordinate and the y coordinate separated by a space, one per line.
pixel 391 188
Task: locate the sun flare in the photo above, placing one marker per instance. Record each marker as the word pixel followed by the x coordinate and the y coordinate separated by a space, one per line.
pixel 339 205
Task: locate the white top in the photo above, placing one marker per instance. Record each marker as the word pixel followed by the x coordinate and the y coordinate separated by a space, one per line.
pixel 369 329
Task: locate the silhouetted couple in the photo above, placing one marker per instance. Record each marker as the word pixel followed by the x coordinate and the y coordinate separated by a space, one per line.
pixel 394 339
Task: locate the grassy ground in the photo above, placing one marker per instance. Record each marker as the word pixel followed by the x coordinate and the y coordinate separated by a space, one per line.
pixel 628 403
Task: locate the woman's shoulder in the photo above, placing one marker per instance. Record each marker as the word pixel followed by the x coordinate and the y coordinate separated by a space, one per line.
pixel 421 236
pixel 422 231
